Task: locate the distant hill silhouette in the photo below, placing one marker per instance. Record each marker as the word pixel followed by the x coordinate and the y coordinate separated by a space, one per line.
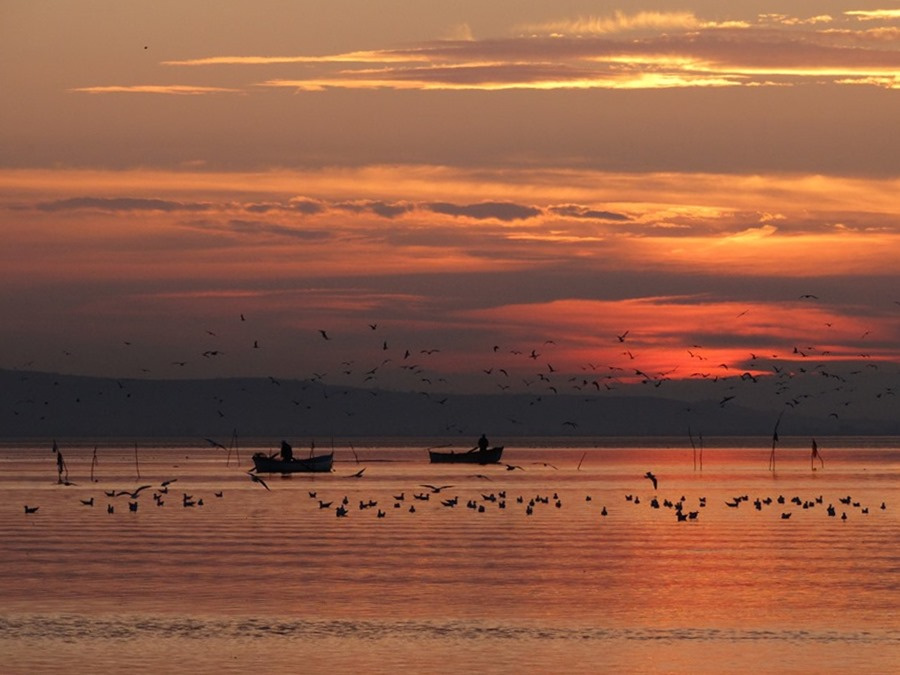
pixel 42 405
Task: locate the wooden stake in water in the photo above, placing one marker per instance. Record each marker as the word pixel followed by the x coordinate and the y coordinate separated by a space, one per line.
pixel 693 447
pixel 61 466
pixel 94 463
pixel 701 452
pixel 583 455
pixel 774 441
pixel 234 444
pixel 814 455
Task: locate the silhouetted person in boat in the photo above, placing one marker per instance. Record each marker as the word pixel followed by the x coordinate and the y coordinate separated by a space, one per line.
pixel 287 452
pixel 483 443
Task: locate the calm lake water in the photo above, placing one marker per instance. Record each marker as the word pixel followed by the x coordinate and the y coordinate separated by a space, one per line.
pixel 266 580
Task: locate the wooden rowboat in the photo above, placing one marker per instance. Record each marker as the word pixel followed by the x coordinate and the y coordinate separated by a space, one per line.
pixel 263 463
pixel 473 456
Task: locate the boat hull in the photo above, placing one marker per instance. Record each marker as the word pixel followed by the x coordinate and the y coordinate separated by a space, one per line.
pixel 489 456
pixel 319 464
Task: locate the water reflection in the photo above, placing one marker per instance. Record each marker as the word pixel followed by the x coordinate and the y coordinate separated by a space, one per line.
pixel 262 566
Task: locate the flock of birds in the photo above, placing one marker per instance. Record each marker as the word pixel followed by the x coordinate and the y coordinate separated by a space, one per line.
pixel 796 377
pixel 160 495
pixel 415 499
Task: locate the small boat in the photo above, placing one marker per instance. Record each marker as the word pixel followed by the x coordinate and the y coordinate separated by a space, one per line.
pixel 473 456
pixel 263 463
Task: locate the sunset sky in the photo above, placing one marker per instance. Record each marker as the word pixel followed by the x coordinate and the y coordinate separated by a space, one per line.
pixel 628 191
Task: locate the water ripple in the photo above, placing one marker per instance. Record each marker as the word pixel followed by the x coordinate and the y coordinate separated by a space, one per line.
pixel 75 627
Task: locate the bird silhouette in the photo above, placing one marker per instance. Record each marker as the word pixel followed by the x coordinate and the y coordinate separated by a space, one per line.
pixel 133 495
pixel 257 479
pixel 436 488
pixel 652 478
pixel 31 509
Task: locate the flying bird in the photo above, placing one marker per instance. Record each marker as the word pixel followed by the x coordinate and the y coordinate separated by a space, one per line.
pixel 324 334
pixel 133 495
pixel 652 478
pixel 621 337
pixel 257 479
pixel 436 488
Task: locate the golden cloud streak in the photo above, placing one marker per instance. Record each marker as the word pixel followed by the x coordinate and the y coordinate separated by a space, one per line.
pixel 617 23
pixel 169 89
pixel 348 57
pixel 888 82
pixel 623 80
pixel 875 14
